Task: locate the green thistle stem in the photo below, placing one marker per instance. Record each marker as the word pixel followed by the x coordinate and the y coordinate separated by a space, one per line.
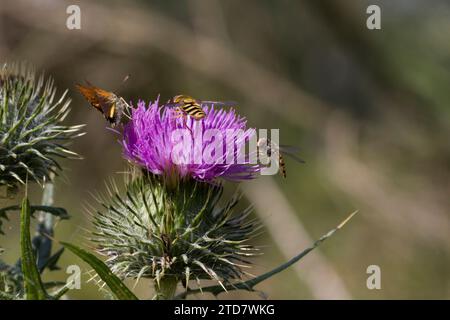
pixel 44 228
pixel 166 288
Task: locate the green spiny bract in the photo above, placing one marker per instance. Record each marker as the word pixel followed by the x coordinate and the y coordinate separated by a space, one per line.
pixel 183 234
pixel 31 134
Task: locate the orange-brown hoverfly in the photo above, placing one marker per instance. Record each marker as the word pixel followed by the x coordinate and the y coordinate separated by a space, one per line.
pixel 108 103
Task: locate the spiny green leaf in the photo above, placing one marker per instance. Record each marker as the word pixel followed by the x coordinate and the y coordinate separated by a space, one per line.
pixel 2 216
pixel 117 287
pixel 56 211
pixel 51 263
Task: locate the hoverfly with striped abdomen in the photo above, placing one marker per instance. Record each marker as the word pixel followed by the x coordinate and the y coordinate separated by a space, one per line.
pixel 267 148
pixel 188 106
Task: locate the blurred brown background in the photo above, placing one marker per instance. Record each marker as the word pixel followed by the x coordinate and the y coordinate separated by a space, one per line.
pixel 370 110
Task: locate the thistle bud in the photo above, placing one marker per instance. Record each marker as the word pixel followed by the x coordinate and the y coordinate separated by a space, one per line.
pixel 172 235
pixel 31 134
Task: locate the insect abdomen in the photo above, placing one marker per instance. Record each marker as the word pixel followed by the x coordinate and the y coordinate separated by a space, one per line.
pixel 282 165
pixel 194 110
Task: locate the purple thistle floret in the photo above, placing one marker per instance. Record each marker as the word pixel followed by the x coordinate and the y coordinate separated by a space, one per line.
pixel 150 141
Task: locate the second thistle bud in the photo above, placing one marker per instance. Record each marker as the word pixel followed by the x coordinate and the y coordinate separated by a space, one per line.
pixel 31 133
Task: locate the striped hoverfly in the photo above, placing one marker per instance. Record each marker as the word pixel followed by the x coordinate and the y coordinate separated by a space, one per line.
pixel 266 148
pixel 189 106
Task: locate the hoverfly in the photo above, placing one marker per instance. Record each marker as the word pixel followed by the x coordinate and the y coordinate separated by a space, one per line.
pixel 108 103
pixel 267 148
pixel 188 106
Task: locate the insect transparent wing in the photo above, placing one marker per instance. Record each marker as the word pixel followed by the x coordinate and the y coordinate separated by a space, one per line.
pixel 289 148
pixel 219 103
pixel 173 105
pixel 291 151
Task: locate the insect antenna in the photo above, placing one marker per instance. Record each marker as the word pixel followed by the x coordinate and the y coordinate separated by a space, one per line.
pixel 126 111
pixel 125 79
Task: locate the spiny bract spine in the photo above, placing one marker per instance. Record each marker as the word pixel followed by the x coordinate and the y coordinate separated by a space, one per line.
pixel 31 134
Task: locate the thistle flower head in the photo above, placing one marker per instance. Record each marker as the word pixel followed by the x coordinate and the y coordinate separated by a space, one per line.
pixel 164 143
pixel 183 234
pixel 31 133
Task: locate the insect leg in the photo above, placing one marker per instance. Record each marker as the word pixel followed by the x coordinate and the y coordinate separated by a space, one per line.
pixel 179 113
pixel 185 124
